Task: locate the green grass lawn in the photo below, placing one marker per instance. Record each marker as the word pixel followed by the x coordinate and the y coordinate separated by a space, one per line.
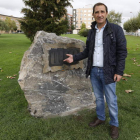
pixel 17 124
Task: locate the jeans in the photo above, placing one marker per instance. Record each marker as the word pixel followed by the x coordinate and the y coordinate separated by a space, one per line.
pixel 109 90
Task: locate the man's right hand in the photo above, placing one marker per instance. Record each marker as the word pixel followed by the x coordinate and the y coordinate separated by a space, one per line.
pixel 69 59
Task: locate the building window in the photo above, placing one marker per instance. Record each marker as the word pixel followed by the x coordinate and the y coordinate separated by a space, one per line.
pixel 84 18
pixel 89 18
pixel 84 14
pixel 89 10
pixel 85 10
pixel 89 14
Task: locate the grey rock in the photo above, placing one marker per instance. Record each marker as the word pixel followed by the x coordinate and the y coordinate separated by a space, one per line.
pixel 54 90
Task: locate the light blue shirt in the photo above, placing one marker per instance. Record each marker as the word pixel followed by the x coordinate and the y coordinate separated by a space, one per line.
pixel 98 49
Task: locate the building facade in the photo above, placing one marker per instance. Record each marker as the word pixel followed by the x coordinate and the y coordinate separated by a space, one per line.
pixel 70 20
pixel 16 19
pixel 82 15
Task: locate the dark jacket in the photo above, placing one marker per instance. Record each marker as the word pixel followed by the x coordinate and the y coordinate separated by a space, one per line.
pixel 115 52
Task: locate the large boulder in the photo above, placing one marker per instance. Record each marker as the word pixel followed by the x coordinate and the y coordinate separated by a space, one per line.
pixel 53 90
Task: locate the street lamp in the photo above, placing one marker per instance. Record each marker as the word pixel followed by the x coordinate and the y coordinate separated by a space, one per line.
pixel 132 13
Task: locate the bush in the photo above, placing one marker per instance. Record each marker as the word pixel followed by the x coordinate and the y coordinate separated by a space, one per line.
pixel 83 32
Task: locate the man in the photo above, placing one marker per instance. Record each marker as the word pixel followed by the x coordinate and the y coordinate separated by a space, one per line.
pixel 106 52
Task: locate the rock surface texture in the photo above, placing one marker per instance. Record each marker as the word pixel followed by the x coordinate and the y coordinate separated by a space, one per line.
pixel 54 90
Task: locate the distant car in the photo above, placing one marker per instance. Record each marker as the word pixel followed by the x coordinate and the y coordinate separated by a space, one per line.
pixel 21 32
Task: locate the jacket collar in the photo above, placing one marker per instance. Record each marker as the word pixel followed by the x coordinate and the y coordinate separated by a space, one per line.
pixel 107 27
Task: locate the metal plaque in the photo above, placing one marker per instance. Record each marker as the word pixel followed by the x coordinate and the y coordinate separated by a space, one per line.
pixel 56 56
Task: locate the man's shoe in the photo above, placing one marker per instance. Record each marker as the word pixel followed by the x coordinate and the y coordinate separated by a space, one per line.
pixel 96 122
pixel 114 132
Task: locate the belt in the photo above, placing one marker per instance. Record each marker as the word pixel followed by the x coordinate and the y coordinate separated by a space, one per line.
pixel 98 67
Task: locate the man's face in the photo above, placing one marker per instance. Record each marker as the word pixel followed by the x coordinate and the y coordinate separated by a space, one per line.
pixel 100 14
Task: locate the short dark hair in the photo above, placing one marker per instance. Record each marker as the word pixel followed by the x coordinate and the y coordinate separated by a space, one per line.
pixel 98 4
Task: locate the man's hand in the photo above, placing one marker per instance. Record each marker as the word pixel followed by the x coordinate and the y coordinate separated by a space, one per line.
pixel 69 59
pixel 117 77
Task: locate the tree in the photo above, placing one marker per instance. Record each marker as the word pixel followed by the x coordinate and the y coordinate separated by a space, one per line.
pixel 72 27
pixel 84 31
pixel 65 23
pixel 83 26
pixel 3 26
pixel 127 26
pixel 44 15
pixel 114 17
pixel 11 24
pixel 132 24
pixel 14 27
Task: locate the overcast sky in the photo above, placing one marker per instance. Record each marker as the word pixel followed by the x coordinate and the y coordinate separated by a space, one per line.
pixel 13 7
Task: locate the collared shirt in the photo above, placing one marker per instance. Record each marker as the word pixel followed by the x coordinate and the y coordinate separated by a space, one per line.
pixel 98 49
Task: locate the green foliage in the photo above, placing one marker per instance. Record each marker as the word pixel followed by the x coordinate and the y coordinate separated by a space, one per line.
pixel 72 27
pixel 44 15
pixel 83 26
pixel 11 24
pixel 132 24
pixel 65 23
pixel 114 17
pixel 83 32
pixel 14 28
pixel 3 26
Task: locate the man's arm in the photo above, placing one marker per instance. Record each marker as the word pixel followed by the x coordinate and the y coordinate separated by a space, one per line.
pixel 81 55
pixel 121 53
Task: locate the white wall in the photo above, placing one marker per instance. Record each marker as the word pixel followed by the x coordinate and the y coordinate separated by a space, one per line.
pixel 75 31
